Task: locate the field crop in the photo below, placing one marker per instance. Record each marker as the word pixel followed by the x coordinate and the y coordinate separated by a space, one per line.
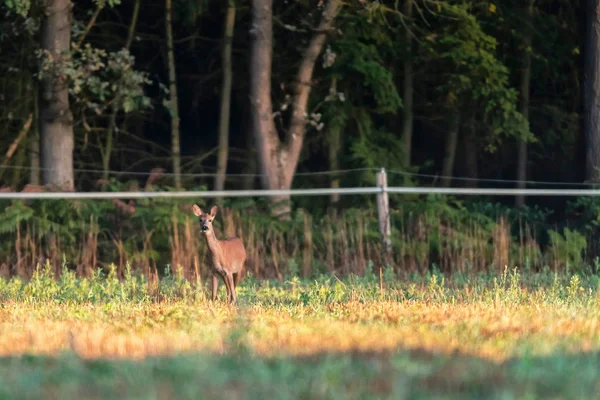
pixel 494 337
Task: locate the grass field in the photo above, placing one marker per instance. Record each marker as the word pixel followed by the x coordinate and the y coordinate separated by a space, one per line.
pixel 493 337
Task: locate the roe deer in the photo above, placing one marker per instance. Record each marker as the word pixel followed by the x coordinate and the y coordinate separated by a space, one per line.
pixel 228 256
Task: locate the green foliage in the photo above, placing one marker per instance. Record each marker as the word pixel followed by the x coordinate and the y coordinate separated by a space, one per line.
pixel 362 63
pixel 569 246
pixel 375 148
pixel 20 7
pixel 189 11
pixel 99 79
pixel 13 215
pixel 468 74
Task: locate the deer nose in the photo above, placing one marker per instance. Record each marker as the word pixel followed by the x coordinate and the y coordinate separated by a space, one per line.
pixel 204 228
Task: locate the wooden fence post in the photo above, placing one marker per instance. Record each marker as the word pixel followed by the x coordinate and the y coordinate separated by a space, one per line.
pixel 383 209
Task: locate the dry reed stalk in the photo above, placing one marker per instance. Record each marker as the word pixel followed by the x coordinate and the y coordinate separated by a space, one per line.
pixel 370 253
pixel 444 255
pixel 189 249
pixel 269 244
pixel 57 250
pixel 94 247
pixel 228 222
pixel 402 254
pixel 405 253
pixel 471 255
pixel 143 263
pixel 501 244
pixel 486 256
pixel 353 240
pixel 175 245
pixel 307 255
pixel 460 241
pixel 153 283
pixel 521 242
pixel 422 235
pixel 122 255
pixel 31 245
pixel 532 245
pixel 4 271
pixel 277 251
pixel 343 246
pixel 18 250
pixel 260 254
pixel 88 250
pixel 360 246
pixel 197 271
pixel 449 242
pixel 252 263
pixel 329 243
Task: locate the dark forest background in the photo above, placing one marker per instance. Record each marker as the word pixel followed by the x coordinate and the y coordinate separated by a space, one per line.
pixel 182 95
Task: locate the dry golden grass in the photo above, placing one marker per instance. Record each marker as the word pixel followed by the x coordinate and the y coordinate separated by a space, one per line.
pixel 150 329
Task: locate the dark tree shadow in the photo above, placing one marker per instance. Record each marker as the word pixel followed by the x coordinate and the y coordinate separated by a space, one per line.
pixel 398 374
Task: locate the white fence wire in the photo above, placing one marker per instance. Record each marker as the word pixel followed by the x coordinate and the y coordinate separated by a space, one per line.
pixel 300 192
pixel 381 190
pixel 306 192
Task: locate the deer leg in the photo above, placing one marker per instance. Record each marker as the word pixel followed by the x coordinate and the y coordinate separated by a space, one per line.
pixel 215 286
pixel 238 275
pixel 229 279
pixel 226 282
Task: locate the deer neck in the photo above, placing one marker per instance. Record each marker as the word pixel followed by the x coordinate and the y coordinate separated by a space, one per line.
pixel 213 243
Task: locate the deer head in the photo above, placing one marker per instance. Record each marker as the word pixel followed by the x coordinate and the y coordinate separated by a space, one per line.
pixel 206 219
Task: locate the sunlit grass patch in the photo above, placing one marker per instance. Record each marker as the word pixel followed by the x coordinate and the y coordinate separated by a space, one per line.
pixel 326 338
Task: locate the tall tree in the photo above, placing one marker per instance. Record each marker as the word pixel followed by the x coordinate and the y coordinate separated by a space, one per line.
pixel 591 84
pixel 173 103
pixel 225 97
pixel 55 117
pixel 336 118
pixel 524 100
pixel 278 159
pixel 450 150
pixel 470 153
pixel 407 90
pixel 34 145
pixel 112 119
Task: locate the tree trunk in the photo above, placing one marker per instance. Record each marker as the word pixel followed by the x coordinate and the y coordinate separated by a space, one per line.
pixel 225 98
pixel 591 85
pixel 20 158
pixel 335 146
pixel 34 144
pixel 334 142
pixel 173 106
pixel 450 153
pixel 470 148
pixel 407 95
pixel 34 154
pixel 524 107
pixel 55 117
pixel 263 127
pixel 112 120
pixel 250 167
pixel 278 159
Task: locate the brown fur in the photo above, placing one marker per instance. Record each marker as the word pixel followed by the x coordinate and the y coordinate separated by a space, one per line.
pixel 228 256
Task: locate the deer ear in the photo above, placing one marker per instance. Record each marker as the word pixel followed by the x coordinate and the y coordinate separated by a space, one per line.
pixel 213 211
pixel 197 210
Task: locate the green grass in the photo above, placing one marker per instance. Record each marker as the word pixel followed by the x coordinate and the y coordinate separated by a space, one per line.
pixel 494 337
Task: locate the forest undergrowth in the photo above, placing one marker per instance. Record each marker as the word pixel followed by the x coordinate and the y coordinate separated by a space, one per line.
pixel 428 233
